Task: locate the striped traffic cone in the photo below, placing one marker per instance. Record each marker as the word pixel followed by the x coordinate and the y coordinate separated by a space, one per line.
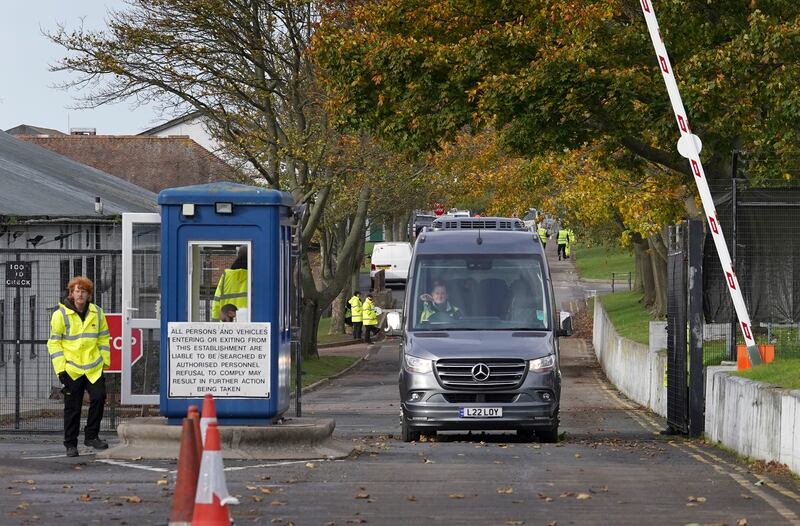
pixel 209 415
pixel 188 471
pixel 212 498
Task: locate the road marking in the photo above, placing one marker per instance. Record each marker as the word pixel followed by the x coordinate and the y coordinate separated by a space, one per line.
pixel 650 424
pixel 86 453
pixel 134 466
pixel 145 467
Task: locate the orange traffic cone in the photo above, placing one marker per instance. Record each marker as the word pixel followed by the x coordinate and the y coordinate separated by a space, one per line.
pixel 186 483
pixel 209 415
pixel 194 415
pixel 212 498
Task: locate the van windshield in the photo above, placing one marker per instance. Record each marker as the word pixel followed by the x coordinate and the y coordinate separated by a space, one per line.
pixel 480 292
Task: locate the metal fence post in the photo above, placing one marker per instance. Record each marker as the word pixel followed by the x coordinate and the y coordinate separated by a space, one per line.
pixel 695 275
pixel 734 320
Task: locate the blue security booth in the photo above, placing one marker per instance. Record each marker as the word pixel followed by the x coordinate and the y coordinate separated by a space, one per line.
pixel 225 292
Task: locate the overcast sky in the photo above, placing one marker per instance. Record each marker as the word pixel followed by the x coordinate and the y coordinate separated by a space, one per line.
pixel 27 95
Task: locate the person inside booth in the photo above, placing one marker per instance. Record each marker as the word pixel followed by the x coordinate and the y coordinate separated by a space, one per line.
pixel 232 286
pixel 228 313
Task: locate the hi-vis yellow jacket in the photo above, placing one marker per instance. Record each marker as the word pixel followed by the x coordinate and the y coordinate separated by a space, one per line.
pixel 232 288
pixel 79 346
pixel 368 313
pixel 355 308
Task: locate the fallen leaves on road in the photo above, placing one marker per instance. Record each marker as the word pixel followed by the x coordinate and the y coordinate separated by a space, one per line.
pixel 583 496
pixel 567 494
pixel 578 455
pixel 544 497
pixel 514 521
pixel 456 496
pixel 23 506
pixel 694 501
pixel 162 482
pixel 505 491
pixel 310 465
pixel 265 490
pixel 361 495
pixel 132 499
pixel 85 497
pixel 741 522
pixel 277 503
pixel 411 498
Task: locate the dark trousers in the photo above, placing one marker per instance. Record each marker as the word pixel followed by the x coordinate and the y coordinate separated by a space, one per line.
pixel 562 251
pixel 356 330
pixel 368 331
pixel 73 400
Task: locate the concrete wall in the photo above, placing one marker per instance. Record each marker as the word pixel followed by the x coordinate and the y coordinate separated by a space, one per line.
pixel 636 370
pixel 755 419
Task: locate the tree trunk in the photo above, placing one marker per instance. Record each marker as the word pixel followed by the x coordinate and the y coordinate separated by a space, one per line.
pixel 337 312
pixel 658 260
pixel 310 316
pixel 644 270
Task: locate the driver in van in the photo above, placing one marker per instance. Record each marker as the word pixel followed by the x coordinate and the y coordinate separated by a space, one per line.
pixel 436 303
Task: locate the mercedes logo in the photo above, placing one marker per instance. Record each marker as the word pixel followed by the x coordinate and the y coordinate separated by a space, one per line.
pixel 480 371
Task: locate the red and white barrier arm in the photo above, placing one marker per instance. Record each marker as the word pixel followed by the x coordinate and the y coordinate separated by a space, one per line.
pixel 689 146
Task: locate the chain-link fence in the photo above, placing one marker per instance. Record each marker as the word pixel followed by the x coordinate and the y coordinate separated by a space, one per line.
pixel 762 228
pixel 30 396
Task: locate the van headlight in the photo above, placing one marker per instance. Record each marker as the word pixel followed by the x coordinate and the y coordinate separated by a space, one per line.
pixel 418 365
pixel 541 365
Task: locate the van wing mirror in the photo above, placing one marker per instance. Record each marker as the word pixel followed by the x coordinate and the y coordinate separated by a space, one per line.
pixel 564 324
pixel 394 321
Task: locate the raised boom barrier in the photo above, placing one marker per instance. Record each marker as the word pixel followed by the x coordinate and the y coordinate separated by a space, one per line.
pixel 689 146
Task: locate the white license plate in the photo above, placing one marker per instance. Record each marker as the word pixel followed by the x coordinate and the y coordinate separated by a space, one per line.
pixel 481 412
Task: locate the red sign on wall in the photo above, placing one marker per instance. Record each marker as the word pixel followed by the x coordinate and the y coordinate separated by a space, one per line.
pixel 115 331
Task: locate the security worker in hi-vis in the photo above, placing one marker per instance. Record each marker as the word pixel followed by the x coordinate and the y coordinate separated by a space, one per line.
pixel 79 347
pixel 232 286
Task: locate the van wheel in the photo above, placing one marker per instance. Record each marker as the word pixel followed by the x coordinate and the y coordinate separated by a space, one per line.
pixel 407 433
pixel 548 435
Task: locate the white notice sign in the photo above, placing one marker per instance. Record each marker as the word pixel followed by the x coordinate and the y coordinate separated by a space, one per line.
pixel 228 360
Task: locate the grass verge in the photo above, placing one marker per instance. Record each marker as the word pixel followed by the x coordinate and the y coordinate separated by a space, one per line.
pixel 315 369
pixel 783 373
pixel 600 262
pixel 323 336
pixel 630 318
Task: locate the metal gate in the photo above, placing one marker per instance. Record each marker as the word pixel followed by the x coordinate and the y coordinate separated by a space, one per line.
pixel 677 301
pixel 30 397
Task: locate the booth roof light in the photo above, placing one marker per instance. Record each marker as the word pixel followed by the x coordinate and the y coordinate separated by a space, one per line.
pixel 187 209
pixel 224 208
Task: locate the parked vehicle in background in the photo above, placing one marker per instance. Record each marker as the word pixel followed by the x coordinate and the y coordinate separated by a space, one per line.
pixel 393 257
pixel 421 221
pixel 453 212
pixel 529 219
pixel 480 334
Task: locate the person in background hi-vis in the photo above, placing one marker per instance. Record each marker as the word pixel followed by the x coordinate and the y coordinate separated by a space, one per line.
pixel 79 347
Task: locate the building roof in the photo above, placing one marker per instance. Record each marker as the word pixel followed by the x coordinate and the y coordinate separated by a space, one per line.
pixel 38 182
pixel 154 163
pixel 174 122
pixel 27 129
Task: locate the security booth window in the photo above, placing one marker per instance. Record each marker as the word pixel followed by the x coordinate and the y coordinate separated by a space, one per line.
pixel 480 292
pixel 219 281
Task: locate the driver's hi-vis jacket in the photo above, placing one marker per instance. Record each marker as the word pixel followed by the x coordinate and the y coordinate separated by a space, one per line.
pixel 429 309
pixel 79 346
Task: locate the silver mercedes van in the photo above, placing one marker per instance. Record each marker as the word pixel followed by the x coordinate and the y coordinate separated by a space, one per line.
pixel 480 332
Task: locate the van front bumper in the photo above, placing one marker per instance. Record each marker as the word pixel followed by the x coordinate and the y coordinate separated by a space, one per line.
pixel 427 406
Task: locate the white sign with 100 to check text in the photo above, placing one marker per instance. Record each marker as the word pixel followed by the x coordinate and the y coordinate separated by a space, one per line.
pixel 228 360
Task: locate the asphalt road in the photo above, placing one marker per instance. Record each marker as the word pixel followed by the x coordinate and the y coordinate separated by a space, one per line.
pixel 611 467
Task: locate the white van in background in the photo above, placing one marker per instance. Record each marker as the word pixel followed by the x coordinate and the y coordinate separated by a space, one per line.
pixel 393 258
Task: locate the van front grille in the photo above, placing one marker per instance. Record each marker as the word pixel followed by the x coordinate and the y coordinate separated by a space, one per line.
pixel 495 373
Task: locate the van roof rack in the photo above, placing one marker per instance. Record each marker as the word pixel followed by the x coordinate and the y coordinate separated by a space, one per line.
pixel 475 223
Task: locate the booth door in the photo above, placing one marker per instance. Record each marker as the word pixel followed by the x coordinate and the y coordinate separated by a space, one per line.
pixel 141 307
